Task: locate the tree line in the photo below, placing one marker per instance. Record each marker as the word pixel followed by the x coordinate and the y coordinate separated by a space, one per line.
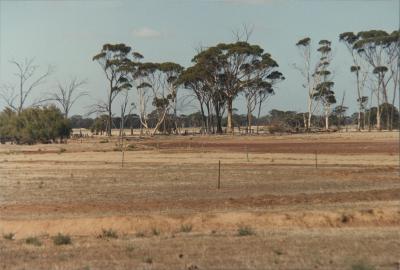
pixel 217 76
pixel 375 65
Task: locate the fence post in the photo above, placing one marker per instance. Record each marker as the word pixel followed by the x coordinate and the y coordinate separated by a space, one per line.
pixel 316 159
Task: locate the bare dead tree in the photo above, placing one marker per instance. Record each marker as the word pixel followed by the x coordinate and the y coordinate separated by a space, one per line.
pixel 67 94
pixel 28 79
pixel 244 33
pixel 125 105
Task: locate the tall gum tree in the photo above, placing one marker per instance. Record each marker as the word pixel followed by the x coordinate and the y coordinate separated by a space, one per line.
pixel 116 65
pixel 161 80
pixel 235 67
pixel 349 39
pixel 380 49
pixel 304 47
pixel 324 88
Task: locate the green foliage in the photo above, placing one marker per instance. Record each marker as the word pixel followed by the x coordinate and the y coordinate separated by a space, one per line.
pixel 99 125
pixel 245 231
pixel 110 233
pixel 186 228
pixel 61 239
pixel 9 236
pixel 362 266
pixel 33 125
pixel 304 42
pixel 33 241
pixel 156 231
pixel 140 234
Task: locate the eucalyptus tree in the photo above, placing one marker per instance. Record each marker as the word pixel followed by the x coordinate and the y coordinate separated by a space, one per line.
pixel 392 49
pixel 324 86
pixel 28 79
pixel 380 49
pixel 349 39
pixel 207 69
pixel 380 72
pixel 161 80
pixel 234 67
pixel 193 79
pixel 306 70
pixel 257 91
pixel 116 65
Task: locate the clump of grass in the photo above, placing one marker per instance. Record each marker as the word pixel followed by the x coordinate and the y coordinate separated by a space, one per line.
pixel 362 266
pixel 140 234
pixel 186 228
pixel 9 236
pixel 346 218
pixel 130 248
pixel 148 260
pixel 61 239
pixel 110 233
pixel 103 141
pixel 155 231
pixel 33 241
pixel 130 147
pixel 245 231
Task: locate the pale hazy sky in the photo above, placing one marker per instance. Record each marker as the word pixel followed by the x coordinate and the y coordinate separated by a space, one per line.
pixel 67 34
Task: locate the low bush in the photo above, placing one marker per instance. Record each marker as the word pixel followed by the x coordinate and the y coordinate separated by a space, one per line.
pixel 9 236
pixel 33 241
pixel 362 266
pixel 245 231
pixel 61 239
pixel 186 228
pixel 34 125
pixel 110 233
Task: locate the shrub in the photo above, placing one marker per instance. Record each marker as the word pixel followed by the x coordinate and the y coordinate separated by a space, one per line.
pixel 110 233
pixel 186 228
pixel 148 260
pixel 155 231
pixel 9 236
pixel 33 125
pixel 33 241
pixel 61 239
pixel 362 266
pixel 130 147
pixel 245 230
pixel 140 234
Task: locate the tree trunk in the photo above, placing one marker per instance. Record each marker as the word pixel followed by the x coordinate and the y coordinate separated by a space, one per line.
pixel 109 119
pixel 378 111
pixel 309 107
pixel 326 119
pixel 229 125
pixel 249 122
pixel 219 120
pixel 258 115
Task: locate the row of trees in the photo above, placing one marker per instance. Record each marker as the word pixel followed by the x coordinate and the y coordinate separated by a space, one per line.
pixel 374 55
pixel 217 76
pixel 284 121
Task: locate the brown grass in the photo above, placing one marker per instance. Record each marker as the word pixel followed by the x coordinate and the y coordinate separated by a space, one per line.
pixel 344 212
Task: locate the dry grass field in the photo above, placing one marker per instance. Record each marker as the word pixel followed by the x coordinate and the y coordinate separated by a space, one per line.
pixel 162 210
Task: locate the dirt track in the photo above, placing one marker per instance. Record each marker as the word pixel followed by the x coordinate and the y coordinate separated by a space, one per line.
pixel 351 201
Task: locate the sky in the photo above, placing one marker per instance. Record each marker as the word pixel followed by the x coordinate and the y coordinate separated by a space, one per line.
pixel 67 34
